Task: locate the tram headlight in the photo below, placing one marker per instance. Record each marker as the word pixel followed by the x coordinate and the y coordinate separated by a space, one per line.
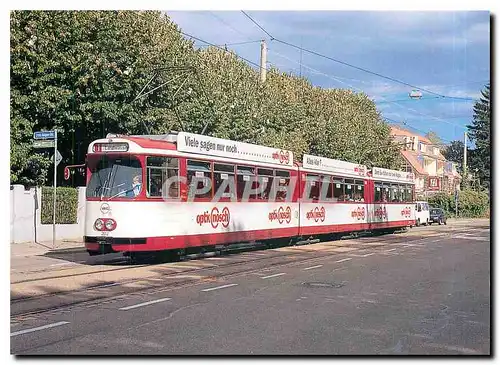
pixel 99 224
pixel 110 224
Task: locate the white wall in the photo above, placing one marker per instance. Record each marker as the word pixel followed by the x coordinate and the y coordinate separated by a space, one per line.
pixel 25 225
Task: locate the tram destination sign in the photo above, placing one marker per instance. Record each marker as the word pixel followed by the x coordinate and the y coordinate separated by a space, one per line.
pixel 334 166
pixel 44 143
pixel 44 135
pixel 393 175
pixel 206 145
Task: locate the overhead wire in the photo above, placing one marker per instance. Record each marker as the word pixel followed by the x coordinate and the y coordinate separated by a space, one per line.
pixel 221 48
pixel 353 66
pixel 317 71
pixel 257 24
pixel 234 44
pixel 358 89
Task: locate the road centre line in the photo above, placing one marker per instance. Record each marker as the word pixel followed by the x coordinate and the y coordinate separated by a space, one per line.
pixel 365 255
pixel 347 259
pixel 105 286
pixel 219 287
pixel 38 328
pixel 144 304
pixel 312 267
pixel 273 276
pixel 63 264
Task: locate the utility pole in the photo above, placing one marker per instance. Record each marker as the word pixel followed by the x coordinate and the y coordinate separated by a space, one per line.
pixel 263 61
pixel 465 158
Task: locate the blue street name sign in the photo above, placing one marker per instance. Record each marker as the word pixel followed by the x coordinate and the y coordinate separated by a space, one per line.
pixel 44 135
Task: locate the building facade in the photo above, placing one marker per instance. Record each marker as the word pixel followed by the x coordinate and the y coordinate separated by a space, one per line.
pixel 433 173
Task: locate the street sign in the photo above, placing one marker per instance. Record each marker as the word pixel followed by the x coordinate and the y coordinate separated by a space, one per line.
pixel 58 157
pixel 66 173
pixel 44 135
pixel 43 144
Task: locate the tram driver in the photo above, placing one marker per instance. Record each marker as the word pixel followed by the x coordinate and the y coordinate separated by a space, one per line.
pixel 136 186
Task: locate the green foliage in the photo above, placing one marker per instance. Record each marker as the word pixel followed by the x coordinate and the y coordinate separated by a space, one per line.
pixel 471 204
pixel 479 133
pixel 66 205
pixel 81 71
pixel 455 152
pixel 433 137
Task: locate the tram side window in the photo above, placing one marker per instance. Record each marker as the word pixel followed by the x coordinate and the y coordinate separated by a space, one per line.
pixel 326 192
pixel 282 180
pixel 159 170
pixel 380 194
pixel 359 193
pixel 408 193
pixel 393 193
pixel 245 176
pixel 338 189
pixel 265 179
pixel 312 186
pixel 349 190
pixel 385 192
pixel 203 173
pixel 224 172
pixel 403 191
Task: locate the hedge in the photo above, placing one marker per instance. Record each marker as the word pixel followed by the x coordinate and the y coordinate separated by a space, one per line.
pixel 471 203
pixel 66 205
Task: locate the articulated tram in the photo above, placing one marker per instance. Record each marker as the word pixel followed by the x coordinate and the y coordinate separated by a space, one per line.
pixel 185 192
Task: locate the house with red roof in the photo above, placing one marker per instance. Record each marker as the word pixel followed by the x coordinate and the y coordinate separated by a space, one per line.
pixel 433 173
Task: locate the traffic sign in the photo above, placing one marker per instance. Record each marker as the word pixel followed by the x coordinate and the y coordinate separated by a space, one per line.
pixel 44 135
pixel 66 173
pixel 43 144
pixel 58 157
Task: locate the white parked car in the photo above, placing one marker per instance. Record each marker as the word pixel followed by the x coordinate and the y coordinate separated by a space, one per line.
pixel 422 213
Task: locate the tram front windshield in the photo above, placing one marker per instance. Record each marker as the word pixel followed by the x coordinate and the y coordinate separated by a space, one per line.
pixel 114 176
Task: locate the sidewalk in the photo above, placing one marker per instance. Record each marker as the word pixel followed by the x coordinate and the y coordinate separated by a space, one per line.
pixel 461 221
pixel 29 249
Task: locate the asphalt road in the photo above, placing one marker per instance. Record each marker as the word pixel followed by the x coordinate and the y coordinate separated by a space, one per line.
pixel 430 296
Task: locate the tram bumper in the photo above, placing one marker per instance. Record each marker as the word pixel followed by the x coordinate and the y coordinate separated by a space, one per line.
pixel 107 244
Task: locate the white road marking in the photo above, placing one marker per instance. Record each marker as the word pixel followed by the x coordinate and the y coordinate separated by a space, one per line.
pixel 104 286
pixel 63 264
pixel 365 255
pixel 392 249
pixel 347 259
pixel 312 267
pixel 473 238
pixel 145 303
pixel 219 287
pixel 38 328
pixel 463 350
pixel 273 276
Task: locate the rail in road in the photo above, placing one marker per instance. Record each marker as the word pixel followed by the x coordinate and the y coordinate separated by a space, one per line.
pixel 146 278
pixel 393 296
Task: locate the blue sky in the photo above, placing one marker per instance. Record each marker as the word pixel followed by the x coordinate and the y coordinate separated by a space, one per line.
pixel 444 52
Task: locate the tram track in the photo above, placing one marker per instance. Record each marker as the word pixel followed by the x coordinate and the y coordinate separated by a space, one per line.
pixel 92 294
pixel 130 266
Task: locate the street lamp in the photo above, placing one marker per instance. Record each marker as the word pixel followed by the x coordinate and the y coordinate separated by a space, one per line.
pixel 415 94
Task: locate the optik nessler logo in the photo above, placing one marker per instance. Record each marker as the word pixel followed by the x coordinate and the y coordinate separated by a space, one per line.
pixel 263 188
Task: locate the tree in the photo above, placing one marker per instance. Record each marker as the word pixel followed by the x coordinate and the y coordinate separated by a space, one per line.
pixel 479 134
pixel 81 72
pixel 455 152
pixel 434 138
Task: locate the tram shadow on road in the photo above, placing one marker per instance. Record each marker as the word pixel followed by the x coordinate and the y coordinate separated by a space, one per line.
pixel 120 259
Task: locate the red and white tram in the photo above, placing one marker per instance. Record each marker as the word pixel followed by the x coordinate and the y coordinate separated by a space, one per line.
pixel 186 191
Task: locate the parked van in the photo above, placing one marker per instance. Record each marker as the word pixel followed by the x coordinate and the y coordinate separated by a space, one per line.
pixel 422 213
